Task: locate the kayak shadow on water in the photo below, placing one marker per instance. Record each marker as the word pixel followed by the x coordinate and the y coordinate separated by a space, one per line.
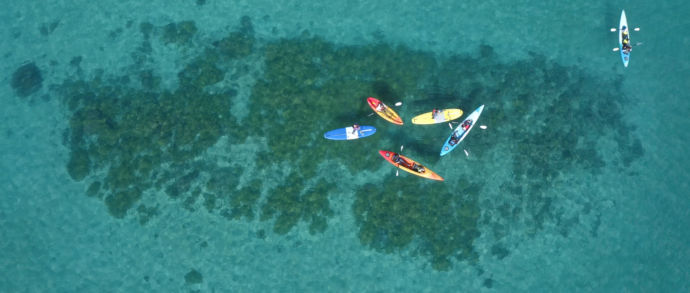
pixel 361 116
pixel 437 97
pixel 424 151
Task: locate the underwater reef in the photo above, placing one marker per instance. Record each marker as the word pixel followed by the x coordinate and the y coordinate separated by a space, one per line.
pixel 26 80
pixel 550 118
pixel 442 221
pixel 131 138
pixel 193 277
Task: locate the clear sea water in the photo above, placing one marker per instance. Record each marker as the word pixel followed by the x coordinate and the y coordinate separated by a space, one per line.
pixel 547 200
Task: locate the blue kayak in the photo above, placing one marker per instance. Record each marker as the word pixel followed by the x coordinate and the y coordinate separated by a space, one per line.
pixel 623 29
pixel 461 131
pixel 346 133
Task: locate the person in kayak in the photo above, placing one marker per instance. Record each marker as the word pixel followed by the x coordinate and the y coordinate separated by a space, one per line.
pixel 626 39
pixel 400 161
pixel 466 125
pixel 453 139
pixel 434 112
pixel 626 46
pixel 355 128
pixel 381 107
pixel 418 168
pixel 624 32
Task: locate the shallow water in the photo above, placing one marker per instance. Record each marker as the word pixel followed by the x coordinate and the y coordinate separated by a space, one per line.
pixel 178 146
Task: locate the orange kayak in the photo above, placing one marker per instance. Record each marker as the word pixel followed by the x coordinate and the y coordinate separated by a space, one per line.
pixel 409 165
pixel 384 111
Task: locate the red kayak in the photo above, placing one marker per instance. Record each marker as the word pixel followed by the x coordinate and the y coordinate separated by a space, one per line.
pixel 384 111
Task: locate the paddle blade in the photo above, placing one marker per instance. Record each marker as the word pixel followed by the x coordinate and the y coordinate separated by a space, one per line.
pixel 613 29
pixel 482 126
pixel 615 49
pixel 398 104
pixel 637 29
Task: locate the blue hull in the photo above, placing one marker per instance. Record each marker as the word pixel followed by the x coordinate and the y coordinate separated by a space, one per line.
pixel 346 133
pixel 624 57
pixel 447 148
pixel 460 133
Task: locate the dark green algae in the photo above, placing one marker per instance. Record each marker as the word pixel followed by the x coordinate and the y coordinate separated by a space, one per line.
pixel 443 221
pixel 127 140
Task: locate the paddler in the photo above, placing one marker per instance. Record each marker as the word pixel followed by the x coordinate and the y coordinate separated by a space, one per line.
pixel 380 107
pixel 466 125
pixel 453 139
pixel 626 39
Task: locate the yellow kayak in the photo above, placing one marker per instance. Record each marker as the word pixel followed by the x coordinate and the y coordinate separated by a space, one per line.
pixel 444 115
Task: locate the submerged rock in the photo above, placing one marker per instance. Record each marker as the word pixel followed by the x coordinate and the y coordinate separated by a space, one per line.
pixel 26 80
pixel 193 277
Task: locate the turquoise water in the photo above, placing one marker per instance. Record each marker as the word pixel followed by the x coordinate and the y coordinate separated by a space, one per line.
pixel 177 146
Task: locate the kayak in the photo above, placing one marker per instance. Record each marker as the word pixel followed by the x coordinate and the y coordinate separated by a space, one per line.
pixel 445 116
pixel 625 56
pixel 385 112
pixel 409 165
pixel 461 131
pixel 346 133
